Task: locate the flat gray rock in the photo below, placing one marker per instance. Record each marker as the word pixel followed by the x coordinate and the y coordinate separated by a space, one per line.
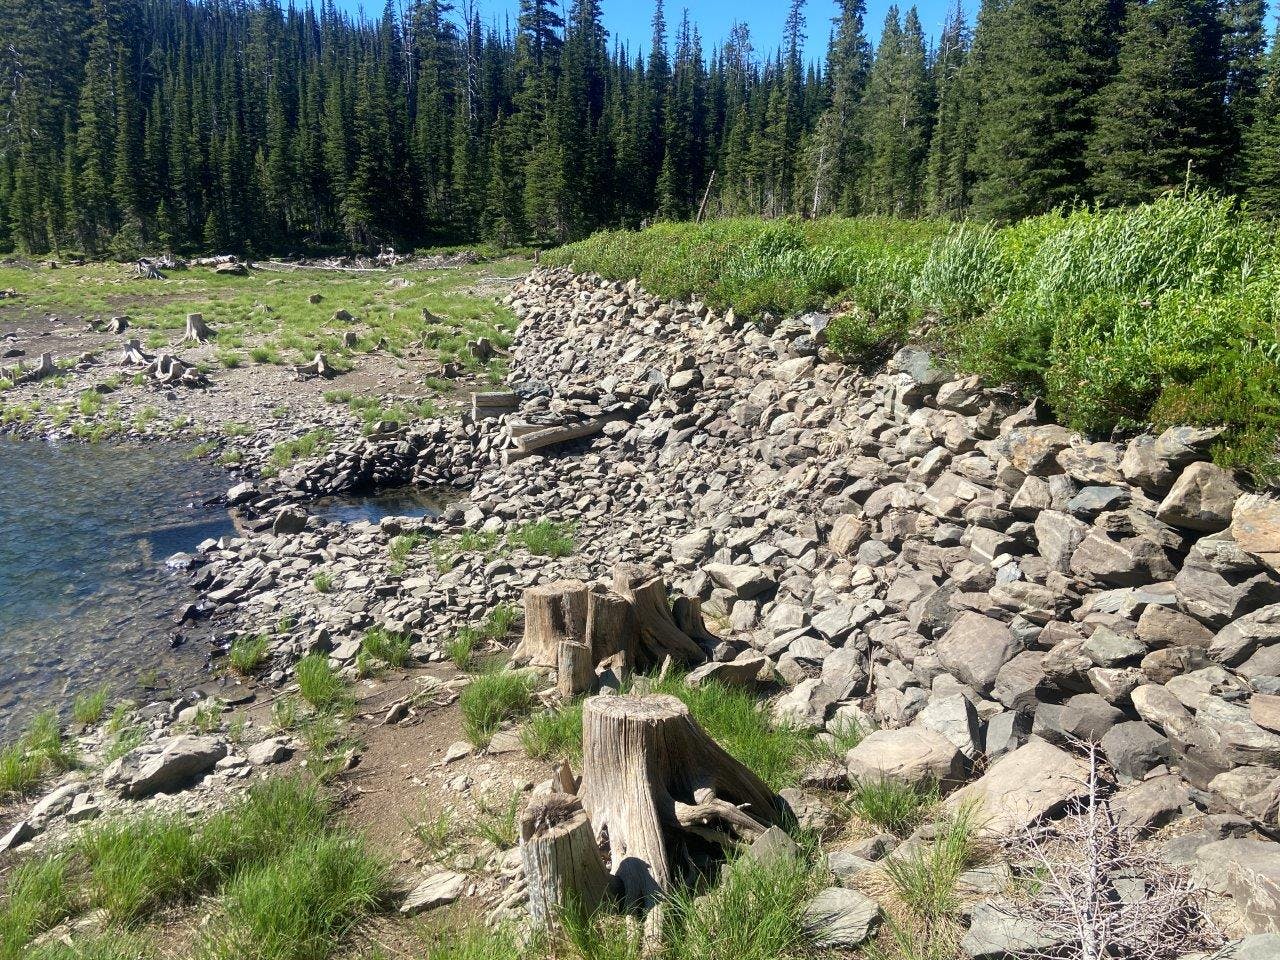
pixel 840 919
pixel 437 890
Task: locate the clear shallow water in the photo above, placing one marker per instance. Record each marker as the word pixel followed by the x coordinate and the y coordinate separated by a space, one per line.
pixel 396 502
pixel 85 598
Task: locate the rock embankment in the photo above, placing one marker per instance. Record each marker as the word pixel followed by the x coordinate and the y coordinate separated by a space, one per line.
pixel 907 551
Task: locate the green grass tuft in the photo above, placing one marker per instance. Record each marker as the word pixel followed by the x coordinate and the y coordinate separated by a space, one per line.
pixel 248 654
pixel 38 753
pixel 554 734
pixel 89 708
pixel 492 699
pixel 897 807
pixel 543 538
pixel 319 684
pixel 391 648
pixel 299 906
pixel 37 897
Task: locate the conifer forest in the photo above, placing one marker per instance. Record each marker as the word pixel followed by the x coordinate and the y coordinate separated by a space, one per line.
pixel 240 125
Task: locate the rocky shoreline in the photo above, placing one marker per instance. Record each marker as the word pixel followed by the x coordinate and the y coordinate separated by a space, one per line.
pixel 906 551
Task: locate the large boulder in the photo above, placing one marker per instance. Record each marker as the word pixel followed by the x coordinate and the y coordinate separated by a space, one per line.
pixel 164 766
pixel 1020 788
pixel 975 648
pixel 1201 499
pixel 911 755
pixel 743 580
pixel 1248 871
pixel 1255 527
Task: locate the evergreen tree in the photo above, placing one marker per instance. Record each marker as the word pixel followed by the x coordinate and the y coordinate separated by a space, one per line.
pixel 946 177
pixel 836 154
pixel 1160 121
pixel 895 119
pixel 1261 165
pixel 1038 65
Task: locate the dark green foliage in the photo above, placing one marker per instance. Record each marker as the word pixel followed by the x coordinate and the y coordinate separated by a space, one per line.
pixel 1261 160
pixel 1161 121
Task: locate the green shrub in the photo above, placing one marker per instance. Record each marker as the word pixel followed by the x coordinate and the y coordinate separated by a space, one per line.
pixel 896 807
pixel 391 648
pixel 39 752
pixel 318 684
pixel 492 699
pixel 37 897
pixel 89 708
pixel 755 912
pixel 544 538
pixel 248 654
pixel 554 734
pixel 299 906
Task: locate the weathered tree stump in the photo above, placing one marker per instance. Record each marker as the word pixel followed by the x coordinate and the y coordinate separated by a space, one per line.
pixel 552 612
pixel 575 668
pixel 654 784
pixel 562 863
pixel 612 627
pixel 319 367
pixel 687 613
pixel 117 325
pixel 660 637
pixel 197 330
pixel 134 355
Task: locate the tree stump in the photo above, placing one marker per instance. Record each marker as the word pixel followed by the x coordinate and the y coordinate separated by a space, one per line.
pixel 562 864
pixel 575 668
pixel 687 613
pixel 655 785
pixel 552 612
pixel 612 627
pixel 659 635
pixel 134 355
pixel 319 367
pixel 197 330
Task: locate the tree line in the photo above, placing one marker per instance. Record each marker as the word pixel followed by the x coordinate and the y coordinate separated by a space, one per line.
pixel 135 125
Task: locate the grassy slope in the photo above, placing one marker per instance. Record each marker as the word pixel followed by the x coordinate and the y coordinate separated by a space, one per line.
pixel 270 313
pixel 1163 314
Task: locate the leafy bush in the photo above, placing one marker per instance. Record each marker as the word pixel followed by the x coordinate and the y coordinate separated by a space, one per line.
pixel 1163 313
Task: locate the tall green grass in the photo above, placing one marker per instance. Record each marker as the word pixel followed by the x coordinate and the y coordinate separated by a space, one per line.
pixel 1159 314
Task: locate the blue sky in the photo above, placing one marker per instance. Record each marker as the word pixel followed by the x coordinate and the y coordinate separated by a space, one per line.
pixel 630 19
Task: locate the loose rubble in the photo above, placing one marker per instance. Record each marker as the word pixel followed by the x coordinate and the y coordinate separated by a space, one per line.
pixel 907 547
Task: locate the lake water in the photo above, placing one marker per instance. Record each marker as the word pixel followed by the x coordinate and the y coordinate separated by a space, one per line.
pixel 395 502
pixel 85 598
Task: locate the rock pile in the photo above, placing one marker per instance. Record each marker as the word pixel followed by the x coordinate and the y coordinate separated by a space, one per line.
pixel 907 551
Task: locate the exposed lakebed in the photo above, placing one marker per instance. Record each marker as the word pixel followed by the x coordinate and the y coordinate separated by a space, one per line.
pixel 85 598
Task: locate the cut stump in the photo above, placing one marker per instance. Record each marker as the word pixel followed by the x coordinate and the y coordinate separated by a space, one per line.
pixel 655 785
pixel 660 637
pixel 552 612
pixel 562 864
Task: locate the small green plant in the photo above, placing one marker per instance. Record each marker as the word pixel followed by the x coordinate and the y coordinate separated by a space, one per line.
pixel 474 941
pixel 89 708
pixel 845 735
pixel 496 820
pixel 925 881
pixel 399 550
pixel 436 832
pixel 39 752
pixel 460 647
pixel 554 734
pixel 492 699
pixel 299 906
pixel 37 897
pixel 391 648
pixel 248 654
pixel 543 538
pixel 323 581
pixel 897 807
pixel 500 621
pixel 284 713
pixel 310 444
pixel 318 684
pixel 90 403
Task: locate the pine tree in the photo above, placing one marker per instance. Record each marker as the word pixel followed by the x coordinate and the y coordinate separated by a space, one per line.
pixel 836 154
pixel 1038 65
pixel 1244 46
pixel 1160 121
pixel 946 177
pixel 895 119
pixel 1261 162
